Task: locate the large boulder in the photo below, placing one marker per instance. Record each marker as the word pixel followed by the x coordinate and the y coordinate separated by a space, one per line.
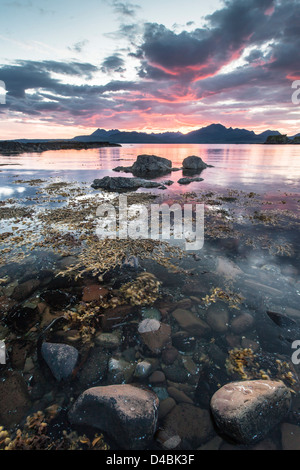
pixel 126 413
pixel 120 183
pixel 148 165
pixel 194 163
pixel 246 411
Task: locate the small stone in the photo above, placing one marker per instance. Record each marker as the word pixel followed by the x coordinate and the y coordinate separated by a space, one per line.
pixel 156 335
pixel 191 423
pixel 179 396
pixel 242 323
pixel 151 312
pixel 169 355
pixel 24 290
pixel 61 359
pixel 120 371
pixel 157 377
pixel 14 399
pixel 165 406
pixel 218 318
pixel 143 369
pixel 93 293
pixel 107 340
pixel 246 411
pixel 190 323
pixel 167 441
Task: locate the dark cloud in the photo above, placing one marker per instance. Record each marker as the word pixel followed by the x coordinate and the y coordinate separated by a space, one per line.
pixel 113 63
pixel 78 46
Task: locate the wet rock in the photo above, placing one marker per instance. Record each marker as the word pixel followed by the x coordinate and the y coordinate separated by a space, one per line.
pixel 167 441
pixel 165 406
pixel 191 423
pixel 290 435
pixel 155 335
pixel 61 359
pixel 21 319
pixel 183 341
pixel 24 290
pixel 189 180
pixel 190 323
pixel 94 370
pixel 242 323
pixel 169 355
pixel 127 414
pixel 111 318
pixel 157 377
pixel 179 396
pixel 108 340
pixel 145 368
pixel 151 312
pixel 148 165
pixel 94 292
pixel 18 354
pixel 246 411
pixel 14 399
pixel 175 372
pixel 218 318
pixel 161 393
pixel 120 183
pixel 194 163
pixel 247 343
pixel 120 371
pixel 57 298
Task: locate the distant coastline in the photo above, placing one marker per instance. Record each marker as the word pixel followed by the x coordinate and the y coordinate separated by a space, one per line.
pixel 17 147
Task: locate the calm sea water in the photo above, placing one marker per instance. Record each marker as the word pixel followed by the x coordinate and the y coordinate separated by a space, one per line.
pixel 258 168
pixel 259 260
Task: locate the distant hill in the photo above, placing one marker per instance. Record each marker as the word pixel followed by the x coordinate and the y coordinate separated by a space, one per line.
pixel 215 133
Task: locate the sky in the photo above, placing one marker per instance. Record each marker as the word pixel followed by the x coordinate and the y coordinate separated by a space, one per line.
pixel 70 67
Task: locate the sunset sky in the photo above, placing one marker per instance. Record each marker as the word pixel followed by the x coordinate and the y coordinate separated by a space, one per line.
pixel 72 66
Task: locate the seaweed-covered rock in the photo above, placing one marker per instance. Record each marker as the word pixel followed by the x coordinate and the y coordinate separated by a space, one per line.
pixel 246 411
pixel 148 165
pixel 120 183
pixel 126 413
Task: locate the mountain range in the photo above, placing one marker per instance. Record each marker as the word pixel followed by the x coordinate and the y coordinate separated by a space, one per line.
pixel 212 134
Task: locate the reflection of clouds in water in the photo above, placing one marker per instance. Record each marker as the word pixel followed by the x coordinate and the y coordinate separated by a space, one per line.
pixel 7 191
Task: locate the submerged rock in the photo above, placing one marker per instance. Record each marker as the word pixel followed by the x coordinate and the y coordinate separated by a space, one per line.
pixel 120 371
pixel 156 335
pixel 126 413
pixel 190 323
pixel 61 359
pixel 191 423
pixel 246 411
pixel 14 399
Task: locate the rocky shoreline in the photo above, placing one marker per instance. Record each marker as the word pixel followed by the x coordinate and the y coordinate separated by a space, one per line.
pixel 8 147
pixel 155 349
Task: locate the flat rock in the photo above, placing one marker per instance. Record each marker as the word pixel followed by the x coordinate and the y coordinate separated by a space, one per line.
pixel 190 323
pixel 126 413
pixel 14 399
pixel 94 292
pixel 61 359
pixel 155 335
pixel 246 411
pixel 189 180
pixel 120 183
pixel 191 423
